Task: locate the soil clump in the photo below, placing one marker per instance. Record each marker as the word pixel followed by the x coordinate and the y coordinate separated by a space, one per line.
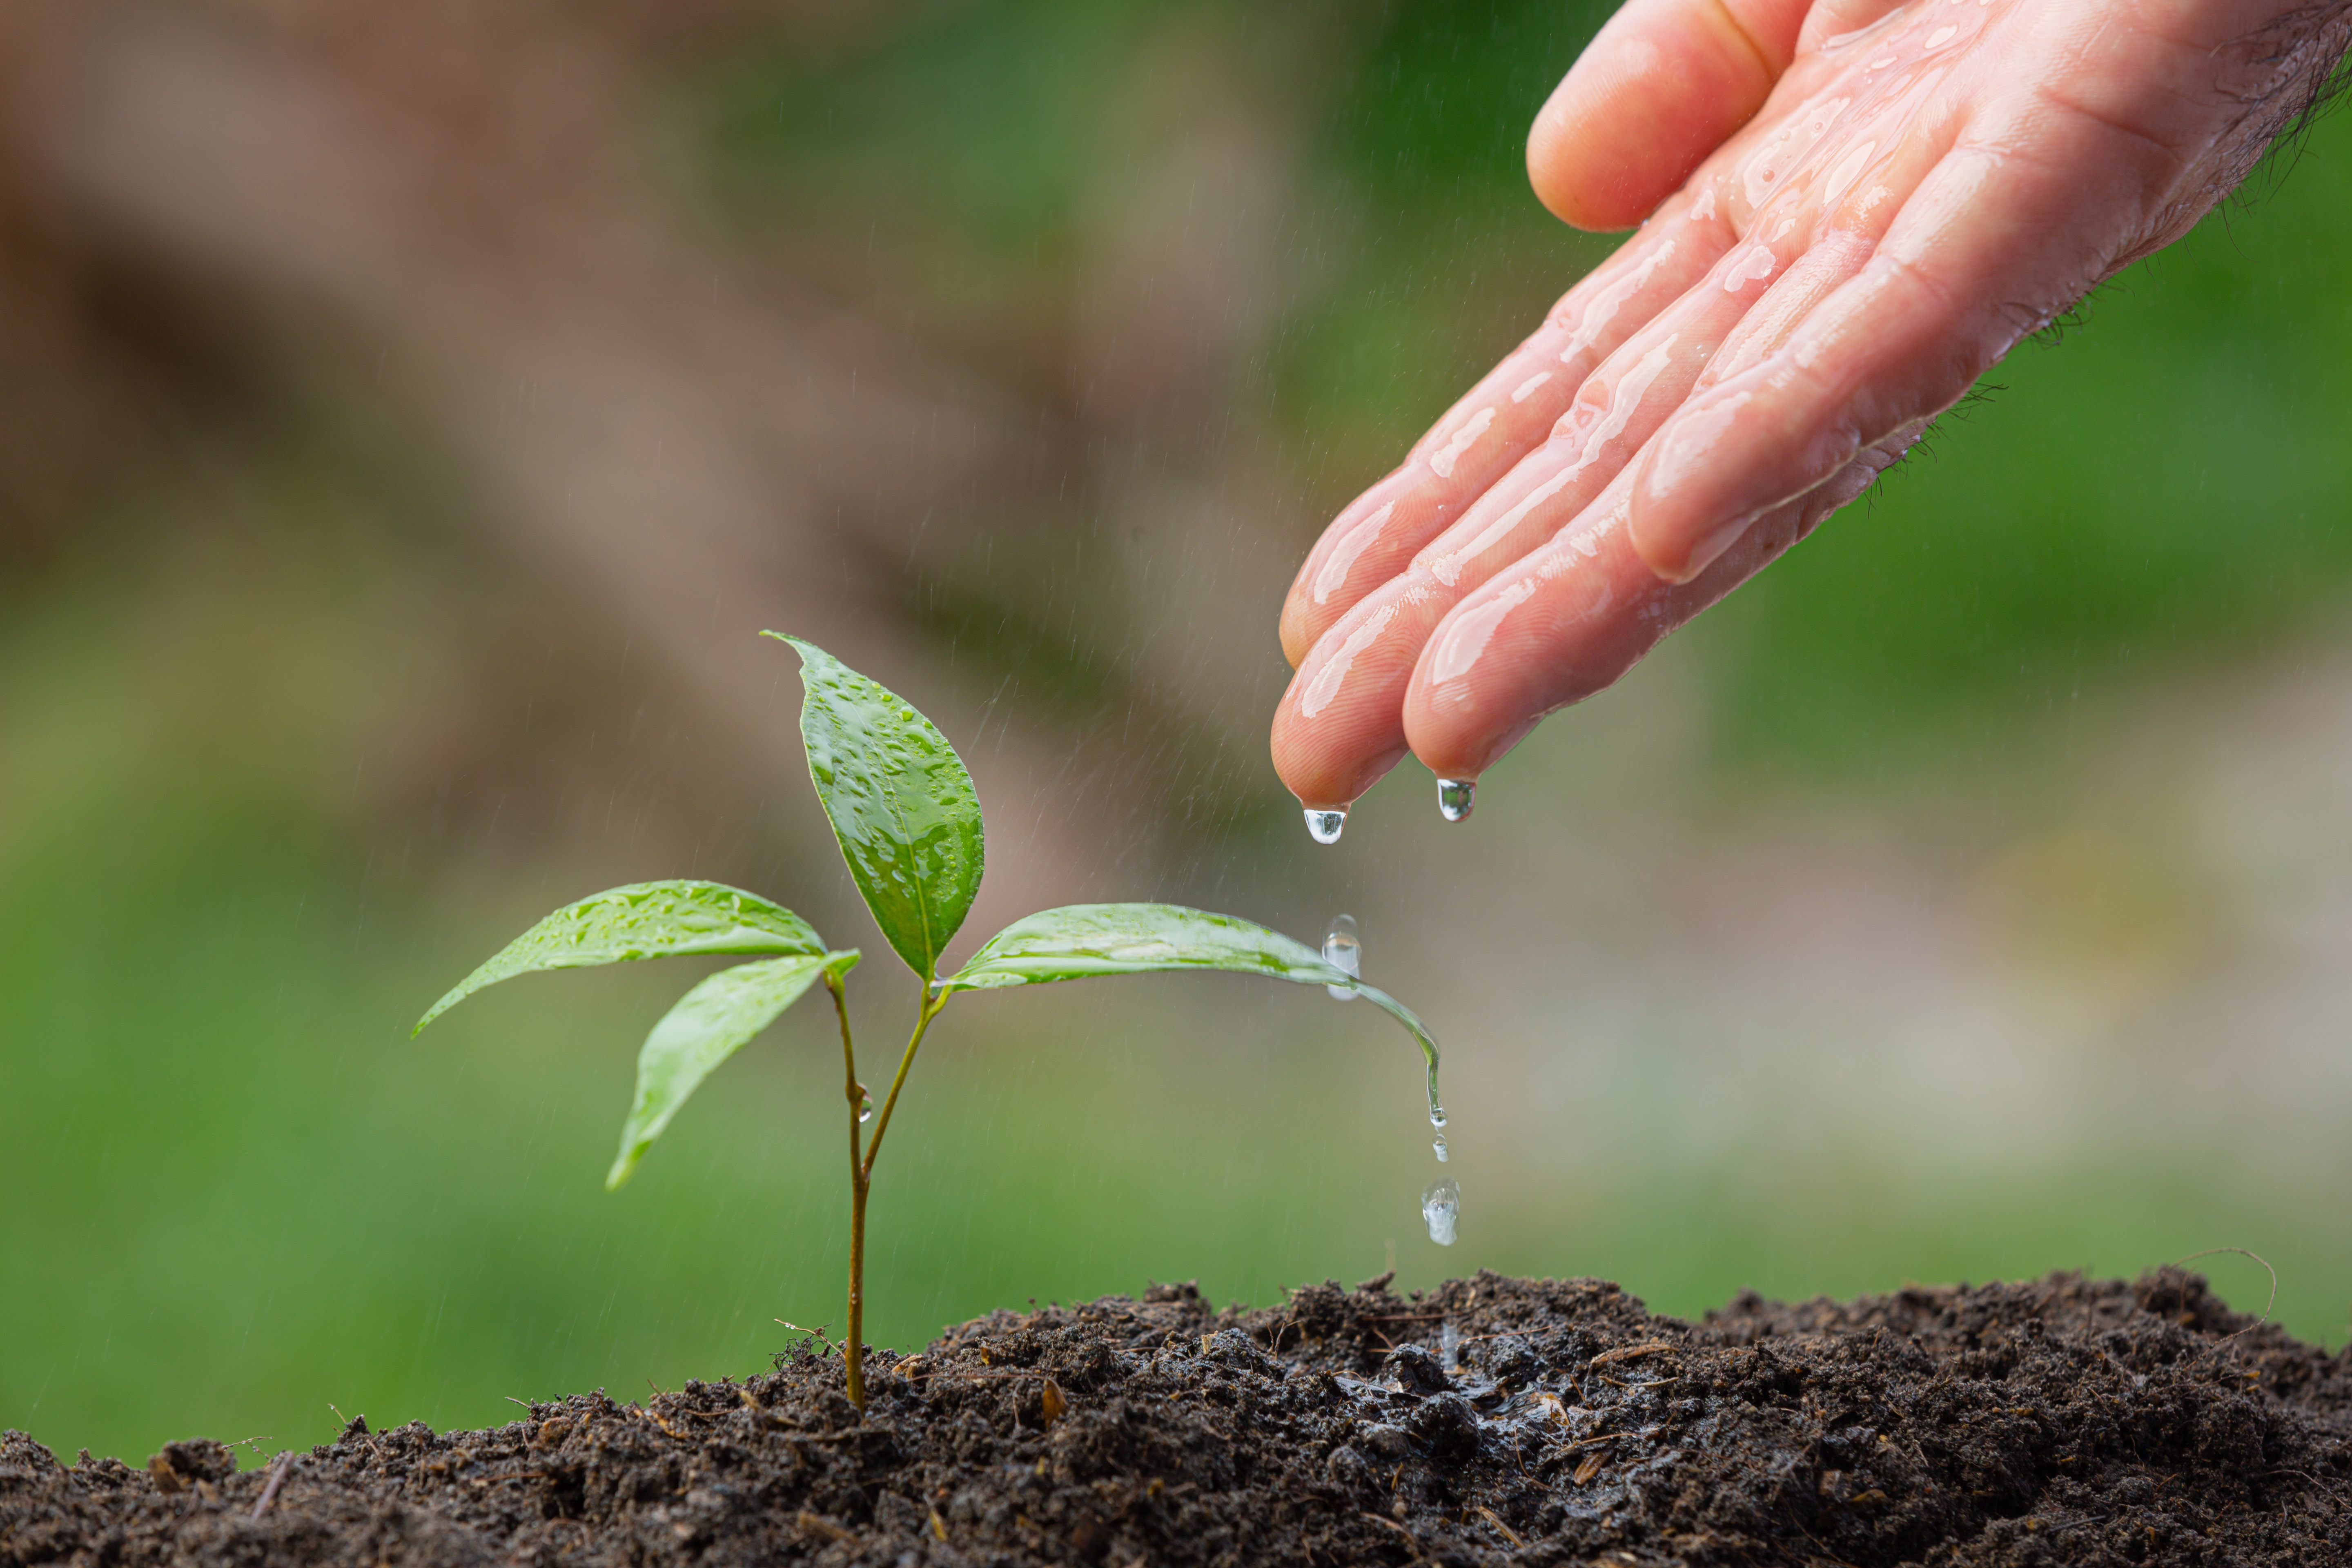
pixel 1490 1421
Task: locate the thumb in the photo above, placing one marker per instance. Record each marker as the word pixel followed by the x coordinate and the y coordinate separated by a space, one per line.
pixel 1664 84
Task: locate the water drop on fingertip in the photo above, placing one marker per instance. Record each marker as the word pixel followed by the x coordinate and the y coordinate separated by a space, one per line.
pixel 1441 1205
pixel 1323 826
pixel 1343 950
pixel 1456 798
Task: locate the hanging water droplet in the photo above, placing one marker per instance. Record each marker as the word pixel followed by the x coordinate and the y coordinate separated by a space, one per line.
pixel 864 1106
pixel 1437 1113
pixel 1343 950
pixel 1323 826
pixel 1441 1205
pixel 1457 797
pixel 1438 1147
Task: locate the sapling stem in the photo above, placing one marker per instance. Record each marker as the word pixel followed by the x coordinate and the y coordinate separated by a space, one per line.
pixel 933 1002
pixel 861 1173
pixel 855 1091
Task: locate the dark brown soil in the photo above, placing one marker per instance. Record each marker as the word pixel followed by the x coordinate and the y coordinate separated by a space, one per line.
pixel 2066 1421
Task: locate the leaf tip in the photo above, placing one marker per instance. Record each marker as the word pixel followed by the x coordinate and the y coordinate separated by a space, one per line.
pixel 443 1005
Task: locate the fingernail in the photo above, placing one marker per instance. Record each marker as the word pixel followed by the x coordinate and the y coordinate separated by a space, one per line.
pixel 1456 798
pixel 1323 824
pixel 1684 459
pixel 1710 547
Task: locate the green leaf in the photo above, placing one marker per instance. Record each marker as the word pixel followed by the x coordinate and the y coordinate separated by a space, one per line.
pixel 1082 940
pixel 710 1023
pixel 646 919
pixel 900 802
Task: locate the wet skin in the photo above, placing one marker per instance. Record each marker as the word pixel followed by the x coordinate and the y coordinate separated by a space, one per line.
pixel 1854 209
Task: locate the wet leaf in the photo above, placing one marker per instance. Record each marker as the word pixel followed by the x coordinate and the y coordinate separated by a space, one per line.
pixel 710 1023
pixel 900 802
pixel 1080 941
pixel 645 920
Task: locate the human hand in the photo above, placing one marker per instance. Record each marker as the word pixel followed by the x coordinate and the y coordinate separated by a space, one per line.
pixel 1925 185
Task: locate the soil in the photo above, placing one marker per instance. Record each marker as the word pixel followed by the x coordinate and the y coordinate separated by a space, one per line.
pixel 2063 1421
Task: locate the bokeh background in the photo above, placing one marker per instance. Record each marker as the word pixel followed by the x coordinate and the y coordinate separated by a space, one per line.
pixel 408 415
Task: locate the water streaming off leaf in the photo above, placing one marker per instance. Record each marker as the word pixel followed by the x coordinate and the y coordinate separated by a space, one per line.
pixel 1343 950
pixel 1437 1147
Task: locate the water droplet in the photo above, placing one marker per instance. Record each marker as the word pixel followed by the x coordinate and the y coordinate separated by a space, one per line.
pixel 1437 1113
pixel 1449 1340
pixel 1343 950
pixel 1324 826
pixel 1437 1146
pixel 1455 798
pixel 865 1108
pixel 1441 1205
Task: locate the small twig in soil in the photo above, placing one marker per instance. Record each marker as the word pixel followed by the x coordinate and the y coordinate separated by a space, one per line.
pixel 1410 1539
pixel 367 1437
pixel 818 1335
pixel 2258 1322
pixel 1496 1521
pixel 650 1414
pixel 269 1492
pixel 1628 1353
pixel 820 1525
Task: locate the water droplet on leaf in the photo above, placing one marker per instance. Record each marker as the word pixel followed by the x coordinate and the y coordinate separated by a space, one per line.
pixel 1324 826
pixel 865 1108
pixel 1441 1205
pixel 1343 950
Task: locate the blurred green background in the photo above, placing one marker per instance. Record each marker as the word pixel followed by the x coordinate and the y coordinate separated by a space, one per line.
pixel 403 441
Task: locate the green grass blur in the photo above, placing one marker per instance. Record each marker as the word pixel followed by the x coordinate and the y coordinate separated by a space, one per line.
pixel 236 1195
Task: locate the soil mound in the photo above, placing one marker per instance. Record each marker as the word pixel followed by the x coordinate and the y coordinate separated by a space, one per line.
pixel 1491 1421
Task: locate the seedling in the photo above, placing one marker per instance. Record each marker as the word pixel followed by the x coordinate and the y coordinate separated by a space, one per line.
pixel 908 820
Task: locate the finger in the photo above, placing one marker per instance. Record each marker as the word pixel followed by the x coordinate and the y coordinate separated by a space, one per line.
pixel 1570 618
pixel 1484 435
pixel 1342 725
pixel 1987 248
pixel 1506 415
pixel 1663 85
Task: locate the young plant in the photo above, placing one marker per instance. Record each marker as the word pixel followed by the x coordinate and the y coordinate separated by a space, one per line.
pixel 908 820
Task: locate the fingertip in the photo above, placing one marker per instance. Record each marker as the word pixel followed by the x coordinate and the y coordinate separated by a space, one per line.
pixel 1292 629
pixel 1661 87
